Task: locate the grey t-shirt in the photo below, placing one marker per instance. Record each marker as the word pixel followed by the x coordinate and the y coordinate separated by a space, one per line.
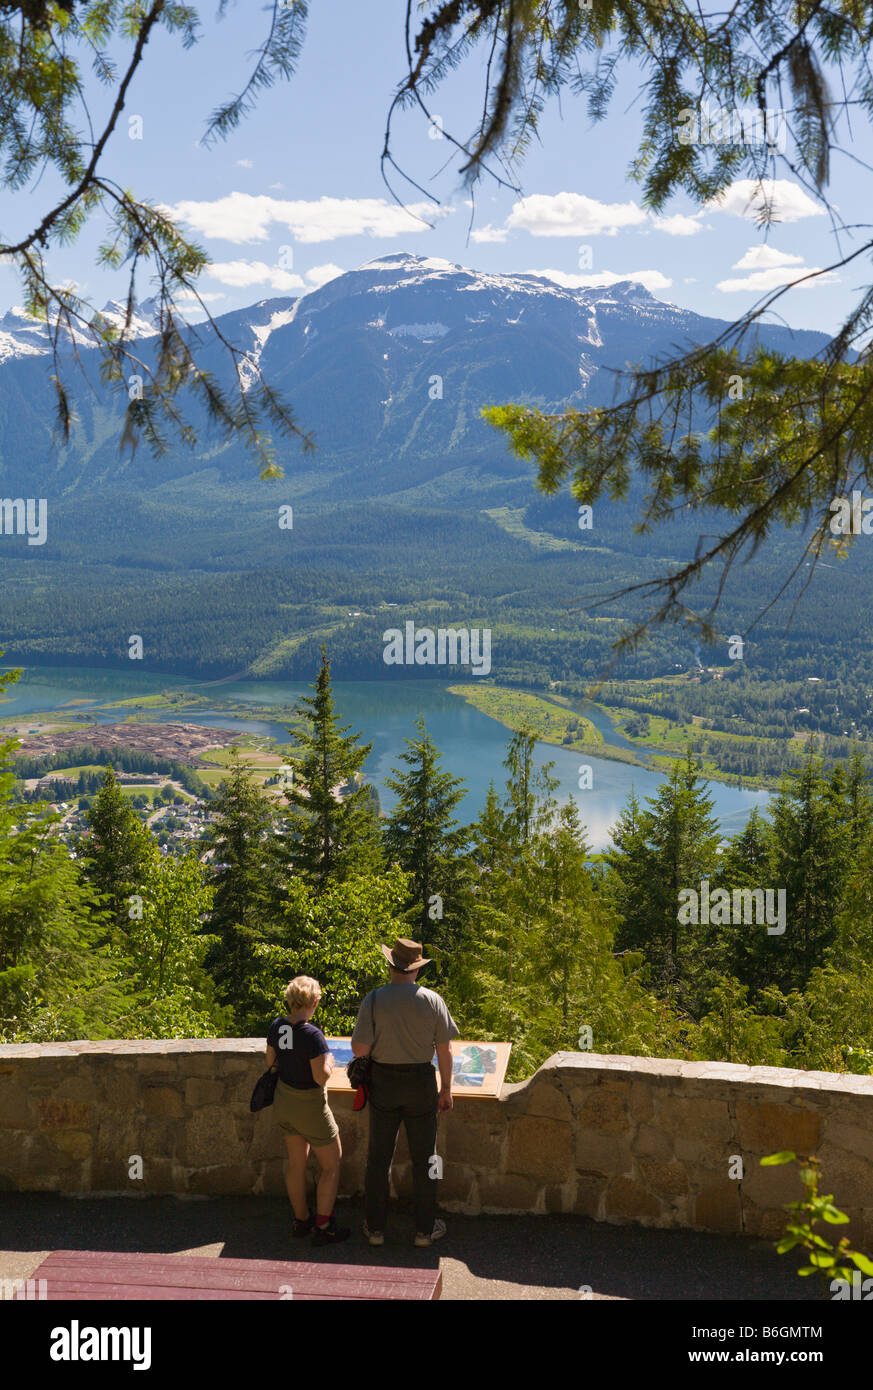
pixel 410 1021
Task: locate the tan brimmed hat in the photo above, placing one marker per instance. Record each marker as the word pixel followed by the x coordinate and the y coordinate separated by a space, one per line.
pixel 405 956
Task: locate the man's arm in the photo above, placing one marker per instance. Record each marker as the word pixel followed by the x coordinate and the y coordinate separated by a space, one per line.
pixel 444 1058
pixel 361 1049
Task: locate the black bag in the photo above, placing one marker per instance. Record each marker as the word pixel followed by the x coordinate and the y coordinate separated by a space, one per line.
pixel 360 1069
pixel 265 1089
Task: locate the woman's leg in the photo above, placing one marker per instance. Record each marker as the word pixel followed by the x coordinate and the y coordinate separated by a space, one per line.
pixel 329 1158
pixel 295 1174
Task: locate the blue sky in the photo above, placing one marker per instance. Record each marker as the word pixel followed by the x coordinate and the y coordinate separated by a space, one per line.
pixel 295 195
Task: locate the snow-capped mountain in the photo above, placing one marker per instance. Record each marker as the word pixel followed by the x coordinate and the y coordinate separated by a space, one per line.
pixel 24 336
pixel 388 366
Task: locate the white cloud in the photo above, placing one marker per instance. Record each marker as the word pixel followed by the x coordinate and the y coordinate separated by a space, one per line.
pixel 774 277
pixel 245 164
pixel 679 224
pixel 651 279
pixel 763 257
pixel 787 201
pixel 489 233
pixel 241 217
pixel 244 274
pixel 572 214
pixel 189 297
pixel 319 275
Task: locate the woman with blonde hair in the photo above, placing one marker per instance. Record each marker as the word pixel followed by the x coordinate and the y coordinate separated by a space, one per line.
pixel 302 1112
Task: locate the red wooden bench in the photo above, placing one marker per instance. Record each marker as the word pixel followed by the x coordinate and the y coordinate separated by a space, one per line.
pixel 100 1274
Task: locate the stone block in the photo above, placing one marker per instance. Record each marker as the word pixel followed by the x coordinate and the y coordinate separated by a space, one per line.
pixel 63 1114
pixel 14 1106
pixel 163 1102
pixel 666 1179
pixel 81 1087
pixel 77 1143
pixel 15 1145
pixel 766 1128
pixel 160 1175
pixel 508 1192
pixel 852 1138
pixel 540 1148
pixel 224 1180
pixel 628 1200
pixel 717 1207
pixel 768 1224
pixel 244 1125
pixel 118 1135
pixel 352 1176
pixel 44 1159
pixel 652 1143
pixel 121 1090
pixel 472 1143
pixel 845 1175
pixel 640 1101
pixel 770 1187
pixel 272 1178
pixel 710 1154
pixel 401 1181
pixel 560 1197
pixel 456 1184
pixel 541 1098
pixel 604 1109
pixel 199 1091
pixel 209 1139
pixel 588 1200
pixel 267 1140
pixel 603 1153
pixel 205 1066
pixel 693 1118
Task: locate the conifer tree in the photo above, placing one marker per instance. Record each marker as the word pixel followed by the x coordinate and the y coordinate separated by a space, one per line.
pixel 245 886
pixel 671 846
pixel 811 856
pixel 117 851
pixel 425 839
pixel 336 832
pixel 56 977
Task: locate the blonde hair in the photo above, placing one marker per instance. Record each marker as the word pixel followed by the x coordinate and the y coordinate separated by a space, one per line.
pixel 302 992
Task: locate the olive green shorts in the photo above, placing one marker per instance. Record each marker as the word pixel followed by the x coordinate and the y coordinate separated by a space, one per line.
pixel 306 1113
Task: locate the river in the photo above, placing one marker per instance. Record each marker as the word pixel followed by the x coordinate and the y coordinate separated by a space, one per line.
pixel 472 745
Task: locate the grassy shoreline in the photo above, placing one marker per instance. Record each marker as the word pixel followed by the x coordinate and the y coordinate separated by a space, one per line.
pixel 541 712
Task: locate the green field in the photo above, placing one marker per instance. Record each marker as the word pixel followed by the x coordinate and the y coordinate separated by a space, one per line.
pixel 548 717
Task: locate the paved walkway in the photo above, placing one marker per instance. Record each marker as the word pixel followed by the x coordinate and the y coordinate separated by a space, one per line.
pixel 482 1257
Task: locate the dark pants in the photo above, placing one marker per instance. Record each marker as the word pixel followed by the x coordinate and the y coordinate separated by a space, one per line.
pixel 407 1093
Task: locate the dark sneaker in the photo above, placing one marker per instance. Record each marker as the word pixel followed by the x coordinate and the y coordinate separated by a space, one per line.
pixel 331 1234
pixel 423 1240
pixel 302 1228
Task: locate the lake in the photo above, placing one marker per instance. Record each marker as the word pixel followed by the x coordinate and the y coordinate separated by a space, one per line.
pixel 471 745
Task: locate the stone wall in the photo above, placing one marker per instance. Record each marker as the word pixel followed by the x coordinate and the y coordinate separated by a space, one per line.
pixel 620 1139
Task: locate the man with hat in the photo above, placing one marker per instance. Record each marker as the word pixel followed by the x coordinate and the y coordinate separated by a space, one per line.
pixel 399 1027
